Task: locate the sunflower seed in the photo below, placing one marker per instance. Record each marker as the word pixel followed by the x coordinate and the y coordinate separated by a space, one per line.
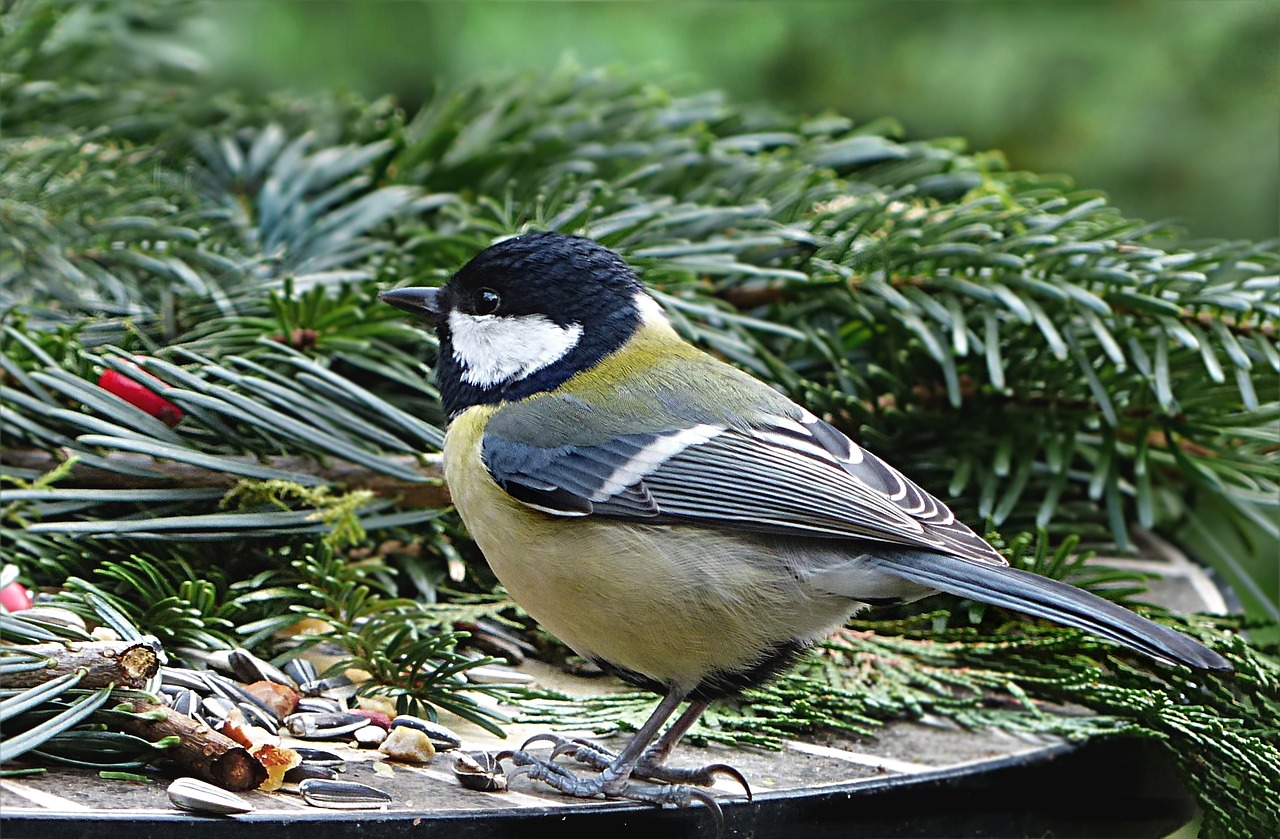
pixel 342 795
pixel 182 700
pixel 216 708
pixel 304 771
pixel 334 687
pixel 480 771
pixel 320 705
pixel 323 726
pixel 219 660
pixel 494 675
pixel 300 670
pixel 179 678
pixel 235 691
pixel 317 757
pixel 54 616
pixel 255 716
pixel 199 797
pixel 249 669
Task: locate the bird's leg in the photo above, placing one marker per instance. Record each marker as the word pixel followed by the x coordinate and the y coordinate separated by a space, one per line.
pixel 661 750
pixel 614 780
pixel 652 764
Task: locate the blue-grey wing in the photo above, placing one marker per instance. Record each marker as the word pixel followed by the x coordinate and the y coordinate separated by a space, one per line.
pixel 778 475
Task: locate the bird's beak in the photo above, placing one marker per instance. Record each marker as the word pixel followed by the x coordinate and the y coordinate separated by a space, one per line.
pixel 424 302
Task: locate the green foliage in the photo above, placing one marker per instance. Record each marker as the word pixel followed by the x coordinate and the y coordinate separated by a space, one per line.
pixel 1169 105
pixel 399 642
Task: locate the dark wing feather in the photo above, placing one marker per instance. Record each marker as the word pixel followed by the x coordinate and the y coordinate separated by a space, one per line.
pixel 782 475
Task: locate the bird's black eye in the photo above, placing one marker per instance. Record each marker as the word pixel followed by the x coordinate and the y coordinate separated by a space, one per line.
pixel 487 301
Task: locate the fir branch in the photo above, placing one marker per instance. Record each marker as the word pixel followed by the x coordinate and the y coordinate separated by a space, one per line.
pixel 878 671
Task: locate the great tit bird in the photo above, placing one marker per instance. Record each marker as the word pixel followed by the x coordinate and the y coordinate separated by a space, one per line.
pixel 670 517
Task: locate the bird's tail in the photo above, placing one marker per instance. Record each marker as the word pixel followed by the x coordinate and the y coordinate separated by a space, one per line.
pixel 1032 594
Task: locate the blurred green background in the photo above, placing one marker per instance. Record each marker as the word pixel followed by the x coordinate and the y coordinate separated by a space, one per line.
pixel 1170 106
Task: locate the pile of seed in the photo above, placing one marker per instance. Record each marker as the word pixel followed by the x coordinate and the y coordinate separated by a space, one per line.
pixel 237 685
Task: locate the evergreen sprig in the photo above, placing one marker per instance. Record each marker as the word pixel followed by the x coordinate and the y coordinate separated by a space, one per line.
pixel 399 642
pixel 878 671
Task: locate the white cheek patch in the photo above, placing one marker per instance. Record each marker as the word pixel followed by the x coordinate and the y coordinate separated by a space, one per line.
pixel 492 350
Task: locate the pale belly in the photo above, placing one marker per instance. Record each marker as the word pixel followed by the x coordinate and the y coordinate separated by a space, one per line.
pixel 674 605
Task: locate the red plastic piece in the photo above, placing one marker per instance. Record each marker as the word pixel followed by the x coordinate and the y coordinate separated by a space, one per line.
pixel 140 396
pixel 14 597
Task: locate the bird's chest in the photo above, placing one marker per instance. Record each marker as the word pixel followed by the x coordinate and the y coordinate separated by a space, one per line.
pixel 570 574
pixel 673 604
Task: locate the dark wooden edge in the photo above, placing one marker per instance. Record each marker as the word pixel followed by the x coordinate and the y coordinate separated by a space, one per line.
pixel 1113 788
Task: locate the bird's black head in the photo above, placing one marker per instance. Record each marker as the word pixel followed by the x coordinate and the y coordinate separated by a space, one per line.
pixel 525 315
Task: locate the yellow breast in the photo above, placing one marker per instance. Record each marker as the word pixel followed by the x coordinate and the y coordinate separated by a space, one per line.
pixel 672 603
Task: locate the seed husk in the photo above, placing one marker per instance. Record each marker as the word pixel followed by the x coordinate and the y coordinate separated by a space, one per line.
pixel 305 771
pixel 494 675
pixel 249 668
pixel 480 771
pixel 300 670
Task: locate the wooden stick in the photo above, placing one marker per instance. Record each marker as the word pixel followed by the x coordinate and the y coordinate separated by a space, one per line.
pixel 201 751
pixel 127 664
pixel 423 495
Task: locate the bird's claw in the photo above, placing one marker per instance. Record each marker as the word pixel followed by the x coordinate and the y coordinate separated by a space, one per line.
pixel 605 785
pixel 597 757
pixel 706 776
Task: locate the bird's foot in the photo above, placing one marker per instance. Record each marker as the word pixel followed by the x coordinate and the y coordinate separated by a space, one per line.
pixel 591 754
pixel 608 785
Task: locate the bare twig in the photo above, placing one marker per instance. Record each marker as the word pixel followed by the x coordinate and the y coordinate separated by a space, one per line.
pixel 203 752
pixel 122 663
pixel 430 494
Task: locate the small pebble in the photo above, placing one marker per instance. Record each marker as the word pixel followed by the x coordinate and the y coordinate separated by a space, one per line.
pixel 376 703
pixel 442 738
pixel 369 736
pixel 376 718
pixel 280 699
pixel 409 745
